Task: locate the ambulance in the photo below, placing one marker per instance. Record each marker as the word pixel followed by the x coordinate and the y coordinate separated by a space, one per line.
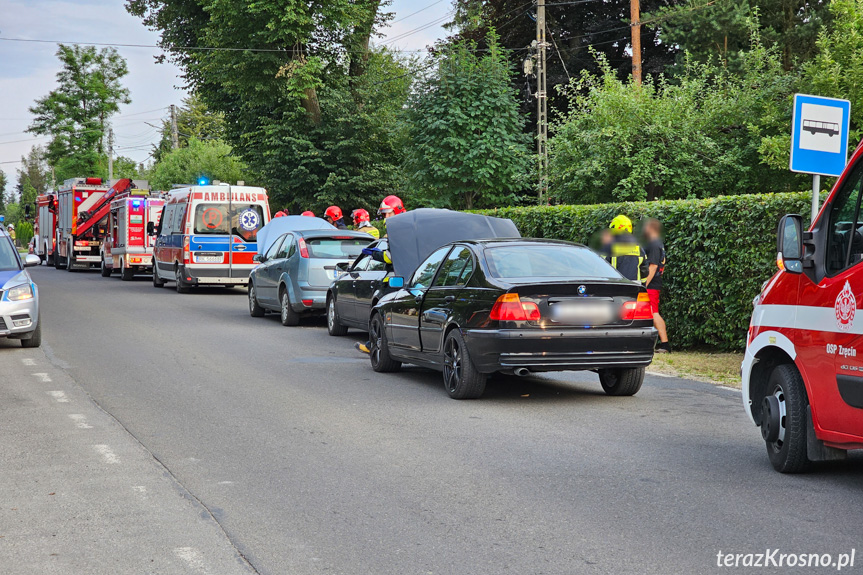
pixel 207 235
pixel 127 247
pixel 802 374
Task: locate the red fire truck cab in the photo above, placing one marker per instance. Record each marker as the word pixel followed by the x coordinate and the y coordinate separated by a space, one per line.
pixel 127 247
pixel 802 373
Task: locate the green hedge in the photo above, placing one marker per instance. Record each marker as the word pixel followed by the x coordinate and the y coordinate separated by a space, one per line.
pixel 720 251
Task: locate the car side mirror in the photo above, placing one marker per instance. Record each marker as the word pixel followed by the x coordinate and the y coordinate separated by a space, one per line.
pixel 343 266
pixel 151 229
pixel 31 260
pixel 397 282
pixel 258 258
pixel 789 244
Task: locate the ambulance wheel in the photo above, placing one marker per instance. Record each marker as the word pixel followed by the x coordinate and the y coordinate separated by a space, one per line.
pixel 783 420
pixel 255 309
pixel 621 381
pixel 157 281
pixel 180 284
pixel 289 316
pixel 333 325
pixel 106 271
pixel 126 274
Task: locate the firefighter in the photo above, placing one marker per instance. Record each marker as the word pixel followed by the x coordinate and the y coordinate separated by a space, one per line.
pixel 281 213
pixel 361 222
pixel 391 206
pixel 309 213
pixel 334 216
pixel 624 253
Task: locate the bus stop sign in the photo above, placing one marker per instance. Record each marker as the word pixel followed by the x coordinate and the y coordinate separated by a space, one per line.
pixel 819 137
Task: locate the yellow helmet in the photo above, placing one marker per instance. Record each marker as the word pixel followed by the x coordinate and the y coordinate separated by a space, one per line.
pixel 620 224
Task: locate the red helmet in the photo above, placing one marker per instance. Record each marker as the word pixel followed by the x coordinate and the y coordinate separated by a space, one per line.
pixel 308 213
pixel 334 212
pixel 280 214
pixel 360 215
pixel 392 204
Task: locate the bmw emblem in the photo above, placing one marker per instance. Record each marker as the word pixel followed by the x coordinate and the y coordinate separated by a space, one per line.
pixel 582 290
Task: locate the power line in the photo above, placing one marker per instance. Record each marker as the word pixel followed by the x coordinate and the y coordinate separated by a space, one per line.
pixel 417 12
pixel 435 22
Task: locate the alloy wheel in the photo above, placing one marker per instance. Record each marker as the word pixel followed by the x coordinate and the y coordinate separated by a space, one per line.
pixel 452 364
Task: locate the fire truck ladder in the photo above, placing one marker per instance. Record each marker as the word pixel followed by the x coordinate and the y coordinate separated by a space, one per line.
pixel 103 206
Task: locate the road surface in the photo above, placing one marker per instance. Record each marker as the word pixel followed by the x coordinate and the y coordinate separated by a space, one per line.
pixel 310 463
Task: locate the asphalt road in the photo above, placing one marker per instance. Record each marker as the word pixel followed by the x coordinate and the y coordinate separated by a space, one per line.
pixel 311 463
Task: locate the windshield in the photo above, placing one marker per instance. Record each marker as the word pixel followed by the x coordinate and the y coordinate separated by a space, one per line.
pixel 242 220
pixel 332 248
pixel 8 259
pixel 547 261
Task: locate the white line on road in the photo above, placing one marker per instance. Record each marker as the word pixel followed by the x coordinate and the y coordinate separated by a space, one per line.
pixel 80 421
pixel 60 396
pixel 43 377
pixel 140 489
pixel 192 557
pixel 106 453
pixel 27 361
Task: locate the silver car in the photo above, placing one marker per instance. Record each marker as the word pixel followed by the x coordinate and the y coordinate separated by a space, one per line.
pixel 297 268
pixel 19 297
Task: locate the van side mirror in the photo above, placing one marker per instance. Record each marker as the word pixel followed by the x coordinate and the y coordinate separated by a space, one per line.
pixel 397 282
pixel 789 244
pixel 151 229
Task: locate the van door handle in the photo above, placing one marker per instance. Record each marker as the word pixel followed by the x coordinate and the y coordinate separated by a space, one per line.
pixel 449 299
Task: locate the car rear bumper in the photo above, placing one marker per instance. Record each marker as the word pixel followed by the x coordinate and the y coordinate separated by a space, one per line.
pixel 317 296
pixel 543 350
pixel 217 274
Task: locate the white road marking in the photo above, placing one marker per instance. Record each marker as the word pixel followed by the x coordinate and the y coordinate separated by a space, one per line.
pixel 226 482
pixel 192 557
pixel 60 396
pixel 139 488
pixel 43 377
pixel 80 421
pixel 106 453
pixel 27 361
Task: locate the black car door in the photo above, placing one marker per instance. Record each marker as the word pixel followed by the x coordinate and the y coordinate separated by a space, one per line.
pixel 345 287
pixel 367 284
pixel 441 297
pixel 404 318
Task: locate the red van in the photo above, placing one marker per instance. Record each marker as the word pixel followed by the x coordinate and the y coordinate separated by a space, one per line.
pixel 803 370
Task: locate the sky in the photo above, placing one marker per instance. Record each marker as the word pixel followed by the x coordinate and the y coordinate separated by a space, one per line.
pixel 28 69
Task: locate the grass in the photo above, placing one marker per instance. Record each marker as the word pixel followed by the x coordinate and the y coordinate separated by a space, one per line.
pixel 715 367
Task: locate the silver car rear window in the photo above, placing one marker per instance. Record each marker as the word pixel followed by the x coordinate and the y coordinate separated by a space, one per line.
pixel 334 248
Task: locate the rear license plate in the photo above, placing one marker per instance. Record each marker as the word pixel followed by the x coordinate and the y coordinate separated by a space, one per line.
pixel 209 259
pixel 582 312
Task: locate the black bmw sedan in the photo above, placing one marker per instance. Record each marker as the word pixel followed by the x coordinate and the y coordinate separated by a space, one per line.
pixel 518 306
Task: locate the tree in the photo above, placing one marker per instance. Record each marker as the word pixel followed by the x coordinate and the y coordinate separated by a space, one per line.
pixel 194 120
pixel 75 114
pixel 212 159
pixel 3 181
pixel 33 175
pixel 466 147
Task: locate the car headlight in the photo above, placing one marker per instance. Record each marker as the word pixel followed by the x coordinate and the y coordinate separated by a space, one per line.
pixel 19 293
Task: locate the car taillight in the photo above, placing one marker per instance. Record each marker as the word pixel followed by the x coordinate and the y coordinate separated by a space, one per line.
pixel 638 309
pixel 509 307
pixel 186 255
pixel 304 251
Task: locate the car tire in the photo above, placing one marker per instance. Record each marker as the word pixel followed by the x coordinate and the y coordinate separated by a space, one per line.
pixel 788 453
pixel 104 270
pixel 461 379
pixel 255 309
pixel 622 381
pixel 178 280
pixel 158 282
pixel 333 326
pixel 379 350
pixel 34 340
pixel 288 316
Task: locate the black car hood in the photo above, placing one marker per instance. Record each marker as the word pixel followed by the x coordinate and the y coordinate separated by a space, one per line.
pixel 414 235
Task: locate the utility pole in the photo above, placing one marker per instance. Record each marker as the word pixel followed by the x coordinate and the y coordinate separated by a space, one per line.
pixel 541 101
pixel 635 24
pixel 175 138
pixel 110 154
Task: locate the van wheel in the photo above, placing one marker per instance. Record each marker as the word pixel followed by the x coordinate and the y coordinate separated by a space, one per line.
pixel 333 325
pixel 180 284
pixel 34 340
pixel 289 316
pixel 106 271
pixel 157 281
pixel 379 350
pixel 255 309
pixel 126 274
pixel 460 376
pixel 783 420
pixel 621 382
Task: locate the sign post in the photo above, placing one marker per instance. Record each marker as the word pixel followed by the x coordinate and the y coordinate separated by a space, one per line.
pixel 819 139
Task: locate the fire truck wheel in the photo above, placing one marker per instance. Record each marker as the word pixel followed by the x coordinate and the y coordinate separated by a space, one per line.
pixel 787 413
pixel 289 316
pixel 157 281
pixel 178 280
pixel 35 340
pixel 70 257
pixel 106 271
pixel 255 309
pixel 49 261
pixel 621 381
pixel 126 274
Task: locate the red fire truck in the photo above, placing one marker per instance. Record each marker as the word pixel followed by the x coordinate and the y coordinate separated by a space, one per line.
pixel 803 368
pixel 127 248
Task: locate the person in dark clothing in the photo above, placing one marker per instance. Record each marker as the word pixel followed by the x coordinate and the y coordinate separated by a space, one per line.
pixel 625 254
pixel 653 282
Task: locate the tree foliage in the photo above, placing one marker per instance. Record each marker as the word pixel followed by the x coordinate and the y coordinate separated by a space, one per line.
pixel 76 113
pixel 466 147
pixel 194 120
pixel 212 159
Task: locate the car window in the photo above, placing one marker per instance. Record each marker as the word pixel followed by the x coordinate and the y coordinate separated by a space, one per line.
pixel 275 247
pixel 179 226
pixel 529 261
pixel 212 219
pixel 361 264
pixel 286 246
pixel 376 266
pixel 451 271
pixel 845 235
pixel 164 226
pixel 422 278
pixel 336 248
pixel 8 259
